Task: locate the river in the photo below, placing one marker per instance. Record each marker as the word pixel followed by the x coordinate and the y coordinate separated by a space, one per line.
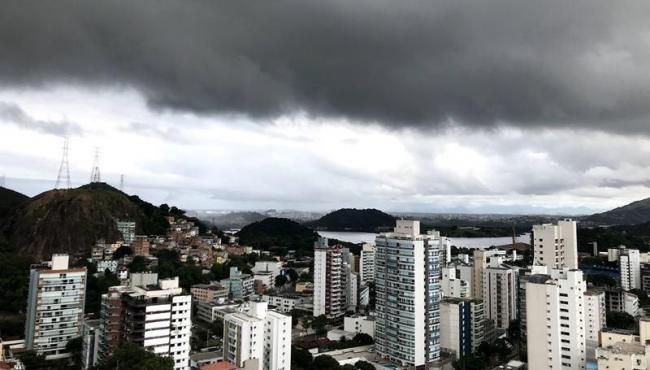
pixel 358 237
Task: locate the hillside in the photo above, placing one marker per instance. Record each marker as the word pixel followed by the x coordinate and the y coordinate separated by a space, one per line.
pixel 234 220
pixel 352 219
pixel 634 213
pixel 10 200
pixel 71 221
pixel 279 233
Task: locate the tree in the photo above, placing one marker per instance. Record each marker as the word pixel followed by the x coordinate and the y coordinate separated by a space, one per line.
pixel 301 359
pixel 130 356
pixel 293 275
pixel 74 348
pixel 280 281
pixel 319 324
pixel 470 362
pixel 325 362
pixel 364 365
pixel 601 280
pixel 363 339
pixel 621 320
pixel 122 251
pixel 348 367
pixel 137 265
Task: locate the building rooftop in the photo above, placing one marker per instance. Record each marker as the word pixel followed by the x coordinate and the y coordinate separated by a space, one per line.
pixel 202 356
pixel 221 365
pixel 626 348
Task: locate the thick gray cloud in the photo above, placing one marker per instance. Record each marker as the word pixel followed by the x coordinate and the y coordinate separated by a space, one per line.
pixel 417 63
pixel 14 114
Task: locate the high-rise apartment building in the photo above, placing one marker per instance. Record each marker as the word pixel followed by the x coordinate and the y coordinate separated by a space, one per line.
pixel 407 271
pixel 329 280
pixel 556 335
pixel 55 306
pixel 462 324
pixel 500 289
pixel 522 279
pixel 258 338
pixel 127 229
pixel 481 257
pixel 452 286
pixel 90 344
pixel 367 264
pixel 595 320
pixel 556 246
pixel 155 317
pixel 629 261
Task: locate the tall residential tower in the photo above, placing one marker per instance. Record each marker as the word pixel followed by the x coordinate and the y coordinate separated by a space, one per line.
pixel 407 271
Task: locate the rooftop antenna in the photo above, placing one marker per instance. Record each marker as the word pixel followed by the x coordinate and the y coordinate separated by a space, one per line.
pixel 95 176
pixel 122 182
pixel 63 178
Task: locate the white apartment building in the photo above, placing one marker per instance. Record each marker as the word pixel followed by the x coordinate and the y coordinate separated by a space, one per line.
pixel 624 351
pixel 556 335
pixel 274 267
pixel 629 262
pixel 90 344
pixel 500 289
pixel 595 320
pixel 329 280
pixel 258 338
pixel 359 324
pixel 55 306
pixel 158 318
pixel 451 286
pixel 283 303
pixel 481 257
pixel 367 264
pixel 407 271
pixel 462 323
pixel 618 300
pixel 556 246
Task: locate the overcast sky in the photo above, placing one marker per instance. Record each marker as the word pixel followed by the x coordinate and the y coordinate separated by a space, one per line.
pixel 459 105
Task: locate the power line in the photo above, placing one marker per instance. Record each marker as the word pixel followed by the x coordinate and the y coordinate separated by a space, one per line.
pixel 63 178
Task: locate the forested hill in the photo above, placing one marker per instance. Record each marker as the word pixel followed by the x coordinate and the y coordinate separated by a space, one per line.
pixel 279 233
pixel 634 213
pixel 71 221
pixel 352 219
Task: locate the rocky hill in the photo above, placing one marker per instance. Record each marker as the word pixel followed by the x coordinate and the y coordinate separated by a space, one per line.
pixel 71 221
pixel 352 219
pixel 634 213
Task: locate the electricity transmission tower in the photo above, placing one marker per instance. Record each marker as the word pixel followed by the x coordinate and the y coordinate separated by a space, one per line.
pixel 63 178
pixel 95 175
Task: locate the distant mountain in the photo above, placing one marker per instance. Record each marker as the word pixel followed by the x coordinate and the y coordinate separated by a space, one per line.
pixel 279 233
pixel 232 220
pixel 352 219
pixel 10 200
pixel 71 221
pixel 634 213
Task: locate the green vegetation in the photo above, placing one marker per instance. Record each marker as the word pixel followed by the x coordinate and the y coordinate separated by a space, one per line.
pixel 352 219
pixel 360 339
pixel 130 356
pixel 486 357
pixel 600 280
pixel 301 359
pixel 95 287
pixel 621 320
pixel 278 235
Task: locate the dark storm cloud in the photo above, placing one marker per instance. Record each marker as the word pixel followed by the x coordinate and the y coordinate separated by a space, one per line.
pixel 416 63
pixel 14 114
